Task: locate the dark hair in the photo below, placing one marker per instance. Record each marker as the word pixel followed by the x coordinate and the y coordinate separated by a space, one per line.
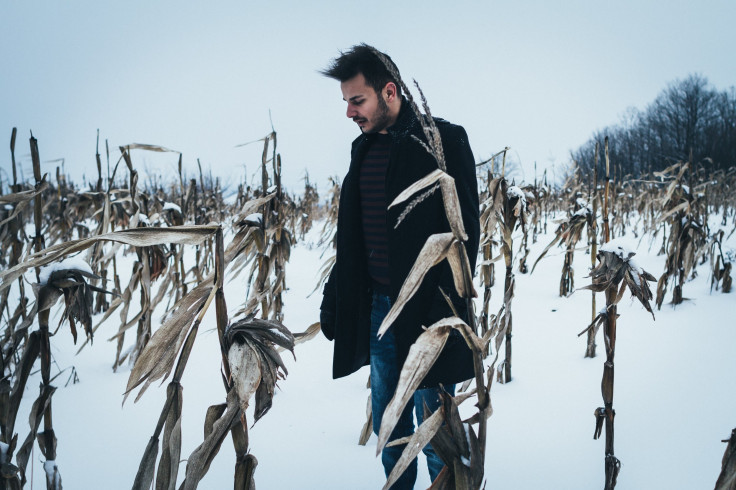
pixel 362 58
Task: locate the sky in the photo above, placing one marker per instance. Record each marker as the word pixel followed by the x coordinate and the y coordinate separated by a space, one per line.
pixel 202 78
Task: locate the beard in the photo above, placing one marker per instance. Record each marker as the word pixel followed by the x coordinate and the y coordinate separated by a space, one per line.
pixel 381 119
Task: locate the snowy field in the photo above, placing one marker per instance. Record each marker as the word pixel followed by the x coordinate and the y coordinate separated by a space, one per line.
pixel 674 396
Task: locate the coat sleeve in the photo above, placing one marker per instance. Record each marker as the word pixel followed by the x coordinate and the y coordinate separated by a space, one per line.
pixel 328 307
pixel 461 166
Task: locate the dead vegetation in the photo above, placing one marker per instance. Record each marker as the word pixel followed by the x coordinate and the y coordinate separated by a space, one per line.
pixel 61 242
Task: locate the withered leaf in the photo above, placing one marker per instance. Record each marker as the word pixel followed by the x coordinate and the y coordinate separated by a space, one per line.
pixel 422 355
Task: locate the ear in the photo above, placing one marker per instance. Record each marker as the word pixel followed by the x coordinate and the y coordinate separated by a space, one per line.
pixel 389 91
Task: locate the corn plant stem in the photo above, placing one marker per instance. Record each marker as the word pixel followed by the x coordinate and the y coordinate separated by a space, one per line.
pixel 177 276
pixel 144 324
pixel 43 316
pixel 486 292
pixel 507 285
pixel 98 160
pixel 244 467
pixel 182 273
pixel 503 164
pixel 220 304
pixel 264 171
pixel 13 134
pixel 606 230
pixel 183 358
pixel 179 370
pixel 607 384
pixel 483 398
pixel 279 237
pixel 590 348
pixel 566 280
pixel 609 336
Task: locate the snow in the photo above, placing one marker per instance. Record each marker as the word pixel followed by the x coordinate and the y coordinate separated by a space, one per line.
pixel 171 205
pixel 515 191
pixel 584 211
pixel 76 263
pixel 278 333
pixel 465 460
pixel 52 473
pixel 673 399
pixel 143 218
pixel 254 218
pixel 3 452
pixel 618 247
pixel 8 207
pixel 582 203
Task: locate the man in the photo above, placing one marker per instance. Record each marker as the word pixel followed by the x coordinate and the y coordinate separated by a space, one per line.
pixel 374 256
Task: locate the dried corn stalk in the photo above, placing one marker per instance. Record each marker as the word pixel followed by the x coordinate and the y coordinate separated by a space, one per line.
pixel 427 347
pixel 727 478
pixel 686 236
pixel 615 272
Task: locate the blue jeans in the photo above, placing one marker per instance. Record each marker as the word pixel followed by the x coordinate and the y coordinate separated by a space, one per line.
pixel 384 378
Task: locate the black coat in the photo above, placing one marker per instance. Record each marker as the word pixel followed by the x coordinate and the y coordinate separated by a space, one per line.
pixel 347 295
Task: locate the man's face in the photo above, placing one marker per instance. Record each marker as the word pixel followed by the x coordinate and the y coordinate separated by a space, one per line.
pixel 365 106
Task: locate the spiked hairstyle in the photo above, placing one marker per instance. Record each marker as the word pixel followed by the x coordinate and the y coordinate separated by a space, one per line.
pixel 361 58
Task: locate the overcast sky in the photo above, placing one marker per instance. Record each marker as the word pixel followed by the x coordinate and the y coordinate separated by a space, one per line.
pixel 203 77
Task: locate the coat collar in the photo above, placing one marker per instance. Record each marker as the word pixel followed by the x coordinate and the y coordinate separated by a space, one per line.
pixel 405 121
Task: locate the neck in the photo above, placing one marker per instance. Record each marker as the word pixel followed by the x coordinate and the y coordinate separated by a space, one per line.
pixel 394 110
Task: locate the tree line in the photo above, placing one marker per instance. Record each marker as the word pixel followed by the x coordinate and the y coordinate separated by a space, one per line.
pixel 689 120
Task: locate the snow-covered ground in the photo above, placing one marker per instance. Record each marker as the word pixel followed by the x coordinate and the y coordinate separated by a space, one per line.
pixel 674 395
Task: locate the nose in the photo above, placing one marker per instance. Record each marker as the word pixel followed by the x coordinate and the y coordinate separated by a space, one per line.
pixel 351 112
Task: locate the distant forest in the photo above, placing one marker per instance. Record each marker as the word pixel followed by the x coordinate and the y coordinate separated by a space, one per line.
pixel 688 116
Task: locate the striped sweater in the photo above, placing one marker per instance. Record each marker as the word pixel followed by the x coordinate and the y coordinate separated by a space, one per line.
pixel 373 206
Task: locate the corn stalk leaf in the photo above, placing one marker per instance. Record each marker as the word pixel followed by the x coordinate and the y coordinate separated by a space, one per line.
pixel 417 186
pixel 452 207
pixel 727 478
pixel 367 430
pixel 138 237
pixel 24 196
pixel 416 443
pixel 199 461
pixel 449 199
pixel 34 420
pixel 422 355
pixel 147 147
pixel 434 251
pixel 157 359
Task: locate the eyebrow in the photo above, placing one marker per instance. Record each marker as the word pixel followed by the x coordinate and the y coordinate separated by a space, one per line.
pixel 354 98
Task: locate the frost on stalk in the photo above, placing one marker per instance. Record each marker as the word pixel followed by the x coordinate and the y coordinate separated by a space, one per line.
pixel 584 211
pixel 617 269
pixel 68 278
pixel 53 478
pixel 255 363
pixel 70 263
pixel 254 219
pixel 173 213
pixel 172 206
pixel 515 192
